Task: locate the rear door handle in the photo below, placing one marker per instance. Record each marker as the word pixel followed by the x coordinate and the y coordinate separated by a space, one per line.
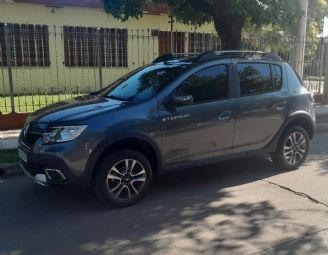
pixel 226 115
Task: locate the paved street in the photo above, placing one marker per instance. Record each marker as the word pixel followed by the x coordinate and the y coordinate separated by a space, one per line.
pixel 244 206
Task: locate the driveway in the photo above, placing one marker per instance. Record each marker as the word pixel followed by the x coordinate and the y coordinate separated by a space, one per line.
pixel 246 206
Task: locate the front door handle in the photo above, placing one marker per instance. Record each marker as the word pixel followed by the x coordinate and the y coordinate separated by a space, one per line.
pixel 226 115
pixel 281 107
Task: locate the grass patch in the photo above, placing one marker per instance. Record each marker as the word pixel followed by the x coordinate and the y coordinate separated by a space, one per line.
pixel 31 103
pixel 314 78
pixel 9 156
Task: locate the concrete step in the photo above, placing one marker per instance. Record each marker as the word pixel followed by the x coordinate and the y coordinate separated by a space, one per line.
pixel 9 139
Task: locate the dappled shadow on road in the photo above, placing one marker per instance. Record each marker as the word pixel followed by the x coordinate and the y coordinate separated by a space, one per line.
pixel 312 244
pixel 201 210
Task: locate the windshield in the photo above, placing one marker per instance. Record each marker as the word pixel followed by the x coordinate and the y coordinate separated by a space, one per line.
pixel 144 83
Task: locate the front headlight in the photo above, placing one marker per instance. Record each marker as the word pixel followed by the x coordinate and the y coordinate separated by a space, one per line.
pixel 63 134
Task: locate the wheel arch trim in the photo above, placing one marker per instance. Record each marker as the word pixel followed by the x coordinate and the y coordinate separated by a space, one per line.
pixel 107 142
pixel 297 115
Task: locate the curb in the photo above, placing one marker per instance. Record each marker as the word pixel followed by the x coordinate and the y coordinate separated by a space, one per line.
pixel 322 127
pixel 322 118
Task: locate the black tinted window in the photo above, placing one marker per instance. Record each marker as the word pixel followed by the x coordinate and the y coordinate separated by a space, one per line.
pixel 207 85
pixel 276 76
pixel 145 82
pixel 254 78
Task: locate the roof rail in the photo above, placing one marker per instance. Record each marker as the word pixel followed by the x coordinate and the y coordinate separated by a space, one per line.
pixel 216 55
pixel 164 58
pixel 174 56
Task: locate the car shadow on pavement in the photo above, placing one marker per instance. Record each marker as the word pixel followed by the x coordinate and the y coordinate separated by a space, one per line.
pixel 188 212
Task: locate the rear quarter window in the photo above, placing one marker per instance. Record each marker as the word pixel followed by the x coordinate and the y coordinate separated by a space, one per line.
pixel 294 82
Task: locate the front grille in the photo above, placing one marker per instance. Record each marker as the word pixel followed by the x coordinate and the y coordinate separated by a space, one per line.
pixel 32 134
pixel 32 169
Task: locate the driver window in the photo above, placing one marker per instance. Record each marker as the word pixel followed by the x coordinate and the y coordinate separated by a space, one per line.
pixel 207 85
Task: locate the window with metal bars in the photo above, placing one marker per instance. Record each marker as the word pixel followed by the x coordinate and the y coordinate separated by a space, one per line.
pixel 82 45
pixel 29 44
pixel 170 42
pixel 201 42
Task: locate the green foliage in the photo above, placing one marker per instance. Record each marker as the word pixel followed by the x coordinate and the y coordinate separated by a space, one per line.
pixel 9 156
pixel 124 9
pixel 198 12
pixel 275 18
pixel 318 9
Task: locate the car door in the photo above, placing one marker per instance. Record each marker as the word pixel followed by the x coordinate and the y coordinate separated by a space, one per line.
pixel 204 128
pixel 262 107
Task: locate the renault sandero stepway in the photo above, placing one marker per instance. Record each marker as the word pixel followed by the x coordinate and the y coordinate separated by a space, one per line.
pixel 172 114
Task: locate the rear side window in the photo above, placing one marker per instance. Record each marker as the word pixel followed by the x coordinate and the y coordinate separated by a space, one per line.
pixel 207 85
pixel 257 78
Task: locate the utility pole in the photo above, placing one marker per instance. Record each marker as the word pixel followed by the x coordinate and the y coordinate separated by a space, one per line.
pixel 172 35
pixel 9 66
pixel 299 50
pixel 325 66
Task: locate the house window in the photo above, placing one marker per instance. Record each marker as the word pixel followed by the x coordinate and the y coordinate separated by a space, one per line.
pixel 29 45
pixel 81 46
pixel 171 42
pixel 200 42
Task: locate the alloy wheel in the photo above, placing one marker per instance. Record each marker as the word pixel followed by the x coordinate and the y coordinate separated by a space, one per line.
pixel 126 179
pixel 295 148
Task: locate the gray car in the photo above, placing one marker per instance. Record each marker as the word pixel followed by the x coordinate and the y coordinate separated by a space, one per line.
pixel 169 115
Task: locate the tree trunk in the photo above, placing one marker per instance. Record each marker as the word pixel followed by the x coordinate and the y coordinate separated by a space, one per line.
pixel 229 30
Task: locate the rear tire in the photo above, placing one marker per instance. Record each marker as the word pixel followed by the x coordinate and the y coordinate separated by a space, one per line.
pixel 123 178
pixel 293 148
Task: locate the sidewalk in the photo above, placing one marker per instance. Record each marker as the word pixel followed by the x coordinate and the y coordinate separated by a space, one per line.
pixel 9 139
pixel 8 143
pixel 321 112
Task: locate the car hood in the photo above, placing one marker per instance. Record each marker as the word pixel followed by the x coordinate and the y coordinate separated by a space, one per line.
pixel 74 109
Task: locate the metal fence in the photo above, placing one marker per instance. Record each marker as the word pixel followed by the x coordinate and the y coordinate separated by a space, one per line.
pixel 8 148
pixel 40 65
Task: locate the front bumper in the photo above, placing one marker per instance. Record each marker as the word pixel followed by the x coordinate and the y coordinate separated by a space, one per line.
pixel 57 164
pixel 45 168
pixel 38 178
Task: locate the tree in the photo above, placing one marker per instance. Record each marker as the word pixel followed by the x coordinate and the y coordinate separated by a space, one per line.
pixel 228 16
pixel 318 9
pixel 280 37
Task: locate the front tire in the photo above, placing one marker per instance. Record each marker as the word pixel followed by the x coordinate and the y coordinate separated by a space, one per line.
pixel 293 148
pixel 123 178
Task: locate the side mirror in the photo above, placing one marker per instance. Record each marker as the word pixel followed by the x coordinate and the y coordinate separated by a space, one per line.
pixel 181 100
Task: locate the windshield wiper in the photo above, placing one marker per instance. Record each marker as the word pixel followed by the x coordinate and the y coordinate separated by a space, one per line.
pixel 117 98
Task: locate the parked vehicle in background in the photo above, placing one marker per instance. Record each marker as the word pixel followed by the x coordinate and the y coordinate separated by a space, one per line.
pixel 172 114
